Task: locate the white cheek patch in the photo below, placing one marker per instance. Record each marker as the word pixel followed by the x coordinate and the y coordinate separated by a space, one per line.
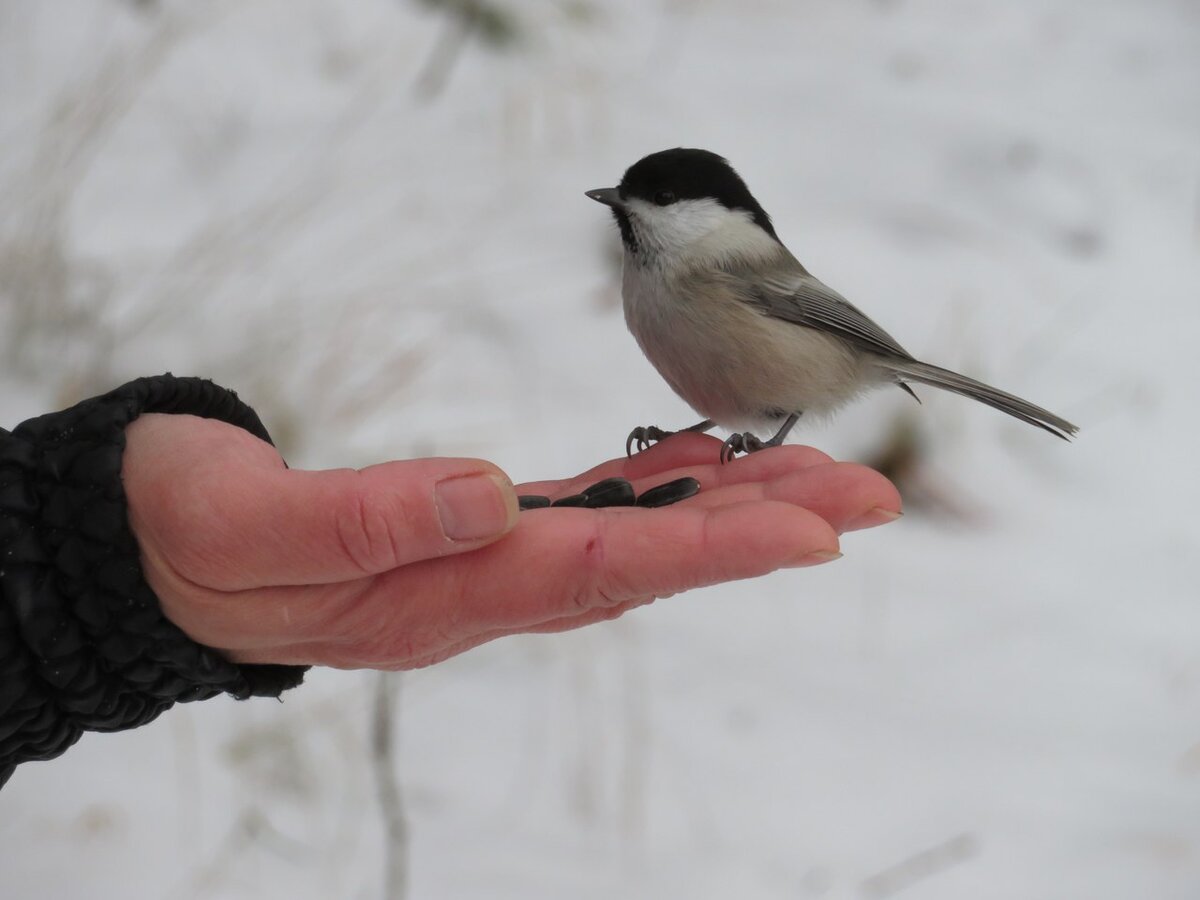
pixel 672 228
pixel 691 231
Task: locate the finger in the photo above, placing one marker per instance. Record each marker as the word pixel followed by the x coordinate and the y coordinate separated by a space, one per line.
pixel 590 617
pixel 603 557
pixel 337 655
pixel 685 454
pixel 760 467
pixel 565 561
pixel 848 496
pixel 562 564
pixel 254 527
pixel 683 449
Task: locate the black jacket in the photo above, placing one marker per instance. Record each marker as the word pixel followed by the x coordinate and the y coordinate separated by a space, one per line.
pixel 84 645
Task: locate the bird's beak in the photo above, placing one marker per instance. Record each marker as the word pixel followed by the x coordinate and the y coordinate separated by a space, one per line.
pixel 607 196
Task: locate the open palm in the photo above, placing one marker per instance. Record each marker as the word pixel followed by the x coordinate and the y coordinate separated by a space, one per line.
pixel 376 568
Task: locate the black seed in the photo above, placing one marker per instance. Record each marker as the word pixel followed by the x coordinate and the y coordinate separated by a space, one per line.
pixel 604 485
pixel 671 492
pixel 532 501
pixel 610 492
pixel 571 500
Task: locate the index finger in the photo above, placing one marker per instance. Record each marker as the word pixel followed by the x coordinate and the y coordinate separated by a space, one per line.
pixel 686 450
pixel 566 561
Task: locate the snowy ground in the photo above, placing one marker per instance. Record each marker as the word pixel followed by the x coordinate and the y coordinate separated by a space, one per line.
pixel 1002 704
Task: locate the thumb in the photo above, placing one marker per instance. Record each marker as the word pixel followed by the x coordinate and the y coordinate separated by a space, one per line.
pixel 297 527
pixel 221 510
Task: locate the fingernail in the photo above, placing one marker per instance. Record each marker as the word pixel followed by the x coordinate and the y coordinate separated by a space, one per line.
pixel 474 507
pixel 816 558
pixel 872 517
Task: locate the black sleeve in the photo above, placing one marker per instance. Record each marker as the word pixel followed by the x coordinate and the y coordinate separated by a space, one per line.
pixel 84 645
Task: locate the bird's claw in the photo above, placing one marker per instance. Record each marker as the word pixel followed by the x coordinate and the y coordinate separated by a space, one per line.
pixel 740 443
pixel 643 436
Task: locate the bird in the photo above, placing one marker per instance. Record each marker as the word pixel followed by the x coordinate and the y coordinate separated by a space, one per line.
pixel 737 326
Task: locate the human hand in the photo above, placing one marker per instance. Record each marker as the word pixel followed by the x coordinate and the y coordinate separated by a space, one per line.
pixel 407 563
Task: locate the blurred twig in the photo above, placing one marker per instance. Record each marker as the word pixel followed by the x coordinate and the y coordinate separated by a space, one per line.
pixel 490 24
pixel 636 744
pixel 920 866
pixel 55 303
pixel 391 800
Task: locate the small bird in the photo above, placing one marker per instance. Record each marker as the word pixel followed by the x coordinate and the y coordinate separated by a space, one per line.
pixel 736 325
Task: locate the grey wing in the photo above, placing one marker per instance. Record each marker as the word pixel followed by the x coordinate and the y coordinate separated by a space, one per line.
pixel 803 300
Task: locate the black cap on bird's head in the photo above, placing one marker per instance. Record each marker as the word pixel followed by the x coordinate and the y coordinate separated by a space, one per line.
pixel 670 176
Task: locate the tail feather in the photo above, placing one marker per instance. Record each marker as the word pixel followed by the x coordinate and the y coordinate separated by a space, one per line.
pixel 924 373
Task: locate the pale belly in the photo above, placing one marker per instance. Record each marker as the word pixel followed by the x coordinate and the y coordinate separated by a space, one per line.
pixel 736 366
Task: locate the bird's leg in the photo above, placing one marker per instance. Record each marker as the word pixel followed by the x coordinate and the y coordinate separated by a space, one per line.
pixel 748 443
pixel 645 435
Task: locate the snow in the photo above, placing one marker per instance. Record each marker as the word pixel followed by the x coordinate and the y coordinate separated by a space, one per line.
pixel 1000 705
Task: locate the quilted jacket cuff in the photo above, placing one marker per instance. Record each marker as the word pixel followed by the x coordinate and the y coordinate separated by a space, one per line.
pixel 84 645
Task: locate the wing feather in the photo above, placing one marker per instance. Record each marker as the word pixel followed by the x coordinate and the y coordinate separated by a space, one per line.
pixel 790 294
pixel 804 300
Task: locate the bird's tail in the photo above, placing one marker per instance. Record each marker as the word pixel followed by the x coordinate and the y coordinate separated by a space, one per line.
pixel 923 373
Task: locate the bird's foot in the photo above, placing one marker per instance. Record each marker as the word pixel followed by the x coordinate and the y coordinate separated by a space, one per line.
pixel 646 435
pixel 643 436
pixel 748 443
pixel 741 443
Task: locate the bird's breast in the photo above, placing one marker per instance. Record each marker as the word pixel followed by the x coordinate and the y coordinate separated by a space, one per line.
pixel 725 358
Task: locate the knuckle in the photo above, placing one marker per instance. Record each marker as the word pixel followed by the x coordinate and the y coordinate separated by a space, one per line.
pixel 366 533
pixel 403 650
pixel 609 613
pixel 595 586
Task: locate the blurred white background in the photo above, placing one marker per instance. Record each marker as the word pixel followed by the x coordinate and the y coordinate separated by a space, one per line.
pixel 367 217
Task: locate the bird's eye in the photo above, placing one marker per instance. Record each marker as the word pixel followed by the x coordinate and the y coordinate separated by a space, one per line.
pixel 664 198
